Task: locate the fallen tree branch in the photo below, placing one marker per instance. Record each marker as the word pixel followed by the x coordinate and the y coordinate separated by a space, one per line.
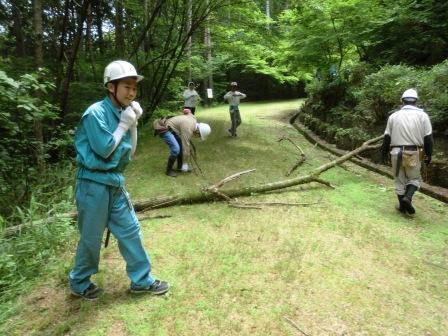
pixel 244 206
pixel 278 203
pixel 213 193
pixel 229 178
pixel 291 322
pixel 301 159
pixel 313 176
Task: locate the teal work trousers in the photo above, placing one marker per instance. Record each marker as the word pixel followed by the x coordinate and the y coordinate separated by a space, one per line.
pixel 100 206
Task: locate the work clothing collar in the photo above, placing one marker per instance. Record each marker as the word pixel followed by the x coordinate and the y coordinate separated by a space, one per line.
pixel 410 107
pixel 109 103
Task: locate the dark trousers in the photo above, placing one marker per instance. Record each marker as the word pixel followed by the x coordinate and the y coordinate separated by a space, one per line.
pixel 235 118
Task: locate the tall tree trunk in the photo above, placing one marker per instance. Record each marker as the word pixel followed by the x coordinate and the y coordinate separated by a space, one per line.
pixel 119 29
pixel 74 52
pixel 39 59
pixel 189 43
pixel 99 24
pixel 18 31
pixel 208 57
pixel 340 45
pixel 60 57
pixel 90 52
pixel 268 14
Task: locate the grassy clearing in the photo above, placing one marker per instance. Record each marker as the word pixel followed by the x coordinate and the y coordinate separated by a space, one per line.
pixel 350 265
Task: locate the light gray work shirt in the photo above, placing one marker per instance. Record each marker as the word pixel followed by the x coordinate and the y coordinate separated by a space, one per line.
pixel 408 126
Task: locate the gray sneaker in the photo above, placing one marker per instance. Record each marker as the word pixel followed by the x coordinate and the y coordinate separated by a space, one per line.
pixel 91 293
pixel 157 288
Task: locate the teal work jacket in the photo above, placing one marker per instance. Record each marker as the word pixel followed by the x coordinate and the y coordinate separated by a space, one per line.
pixel 94 143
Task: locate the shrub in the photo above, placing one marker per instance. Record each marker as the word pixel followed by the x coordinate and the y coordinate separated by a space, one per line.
pixel 381 91
pixel 23 104
pixel 434 95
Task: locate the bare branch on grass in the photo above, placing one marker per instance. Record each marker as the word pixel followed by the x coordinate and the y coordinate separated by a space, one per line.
pixel 301 159
pixel 244 206
pixel 292 323
pixel 228 179
pixel 436 265
pixel 213 193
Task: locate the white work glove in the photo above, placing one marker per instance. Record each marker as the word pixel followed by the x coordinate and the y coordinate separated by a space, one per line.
pixel 184 167
pixel 128 118
pixel 137 109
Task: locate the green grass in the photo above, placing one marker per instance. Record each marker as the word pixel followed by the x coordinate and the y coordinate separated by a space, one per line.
pixel 349 265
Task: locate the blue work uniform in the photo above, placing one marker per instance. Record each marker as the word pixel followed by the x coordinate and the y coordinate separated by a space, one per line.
pixel 102 200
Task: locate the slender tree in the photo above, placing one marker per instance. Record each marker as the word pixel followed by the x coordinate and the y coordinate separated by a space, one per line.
pixel 39 60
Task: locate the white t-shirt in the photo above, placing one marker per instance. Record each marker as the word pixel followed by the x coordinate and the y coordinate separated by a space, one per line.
pixel 408 126
pixel 191 98
pixel 234 97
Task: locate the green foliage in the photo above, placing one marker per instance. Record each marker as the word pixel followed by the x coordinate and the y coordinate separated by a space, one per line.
pixel 381 92
pixel 24 104
pixel 42 234
pixel 414 33
pixel 244 50
pixel 362 100
pixel 434 94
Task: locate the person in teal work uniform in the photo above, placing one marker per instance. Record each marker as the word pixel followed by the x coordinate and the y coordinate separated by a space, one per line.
pixel 105 141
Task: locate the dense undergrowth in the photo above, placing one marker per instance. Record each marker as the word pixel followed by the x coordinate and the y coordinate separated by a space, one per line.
pixel 355 105
pixel 40 234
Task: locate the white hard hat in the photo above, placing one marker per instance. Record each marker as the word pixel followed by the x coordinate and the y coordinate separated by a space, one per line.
pixel 120 69
pixel 409 94
pixel 234 84
pixel 204 130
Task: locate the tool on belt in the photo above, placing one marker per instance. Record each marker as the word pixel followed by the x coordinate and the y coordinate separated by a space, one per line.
pixel 411 155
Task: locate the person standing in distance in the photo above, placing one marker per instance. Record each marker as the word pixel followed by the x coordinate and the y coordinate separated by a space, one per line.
pixel 233 97
pixel 191 98
pixel 105 140
pixel 408 131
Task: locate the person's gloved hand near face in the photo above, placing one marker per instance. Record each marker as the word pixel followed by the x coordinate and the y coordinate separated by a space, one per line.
pixel 137 109
pixel 128 118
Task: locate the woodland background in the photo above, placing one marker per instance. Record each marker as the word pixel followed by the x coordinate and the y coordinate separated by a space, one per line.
pixel 351 59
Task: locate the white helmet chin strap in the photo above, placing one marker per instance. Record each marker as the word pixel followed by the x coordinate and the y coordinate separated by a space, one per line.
pixel 114 94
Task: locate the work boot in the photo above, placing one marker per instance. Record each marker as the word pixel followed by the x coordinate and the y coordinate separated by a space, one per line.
pixel 91 293
pixel 179 162
pixel 407 198
pixel 169 167
pixel 400 207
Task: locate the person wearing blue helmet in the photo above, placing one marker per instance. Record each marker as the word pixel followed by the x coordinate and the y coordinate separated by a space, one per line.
pixel 105 141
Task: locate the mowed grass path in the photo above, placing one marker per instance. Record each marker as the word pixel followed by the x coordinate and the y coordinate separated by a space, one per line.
pixel 347 264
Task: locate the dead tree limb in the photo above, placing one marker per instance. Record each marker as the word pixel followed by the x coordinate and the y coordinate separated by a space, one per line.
pixel 244 206
pixel 206 195
pixel 278 203
pixel 210 194
pixel 301 159
pixel 292 323
pixel 229 178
